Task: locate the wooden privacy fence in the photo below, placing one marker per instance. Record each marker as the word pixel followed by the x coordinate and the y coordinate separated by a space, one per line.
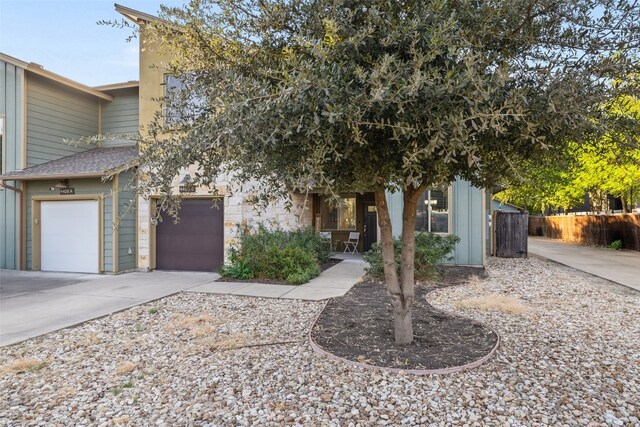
pixel 599 230
pixel 510 234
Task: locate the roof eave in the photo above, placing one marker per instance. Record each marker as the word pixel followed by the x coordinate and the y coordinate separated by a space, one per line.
pixel 135 15
pixel 116 86
pixel 36 69
pixel 52 176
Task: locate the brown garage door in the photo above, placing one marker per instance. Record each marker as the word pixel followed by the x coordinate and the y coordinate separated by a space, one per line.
pixel 196 242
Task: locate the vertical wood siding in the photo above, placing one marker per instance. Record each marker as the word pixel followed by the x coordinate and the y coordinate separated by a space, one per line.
pixel 11 107
pixel 467 219
pixel 55 113
pixel 127 222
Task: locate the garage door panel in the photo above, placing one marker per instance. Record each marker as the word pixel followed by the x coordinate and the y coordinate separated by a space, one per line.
pixel 70 236
pixel 196 242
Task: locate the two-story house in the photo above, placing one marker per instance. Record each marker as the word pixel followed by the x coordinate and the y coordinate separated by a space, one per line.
pixel 201 237
pixel 56 211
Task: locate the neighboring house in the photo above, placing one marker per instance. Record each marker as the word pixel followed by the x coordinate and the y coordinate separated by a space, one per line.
pixel 57 214
pixel 497 205
pixel 460 209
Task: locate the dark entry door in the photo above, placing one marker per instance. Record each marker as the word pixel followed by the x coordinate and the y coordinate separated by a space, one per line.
pixel 370 226
pixel 196 242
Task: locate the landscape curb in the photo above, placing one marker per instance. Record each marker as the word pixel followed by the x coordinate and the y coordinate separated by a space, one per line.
pixel 442 371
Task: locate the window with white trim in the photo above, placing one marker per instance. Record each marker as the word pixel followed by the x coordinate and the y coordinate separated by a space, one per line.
pixel 432 211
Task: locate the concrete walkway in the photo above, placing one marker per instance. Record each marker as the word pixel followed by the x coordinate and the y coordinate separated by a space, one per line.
pixel 334 282
pixel 622 267
pixel 35 303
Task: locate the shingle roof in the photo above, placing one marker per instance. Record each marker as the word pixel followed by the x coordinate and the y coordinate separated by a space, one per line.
pixel 90 163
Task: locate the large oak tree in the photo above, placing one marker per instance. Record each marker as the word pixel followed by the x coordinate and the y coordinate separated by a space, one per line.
pixel 383 95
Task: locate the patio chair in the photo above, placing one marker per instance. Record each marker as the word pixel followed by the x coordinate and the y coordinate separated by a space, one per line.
pixel 351 245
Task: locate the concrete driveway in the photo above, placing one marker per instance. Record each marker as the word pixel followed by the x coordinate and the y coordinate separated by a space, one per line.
pixel 34 303
pixel 622 267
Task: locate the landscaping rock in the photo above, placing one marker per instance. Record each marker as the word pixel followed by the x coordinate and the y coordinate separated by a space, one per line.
pixel 572 357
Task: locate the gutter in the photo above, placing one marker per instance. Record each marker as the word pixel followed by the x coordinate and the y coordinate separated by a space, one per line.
pixel 10 187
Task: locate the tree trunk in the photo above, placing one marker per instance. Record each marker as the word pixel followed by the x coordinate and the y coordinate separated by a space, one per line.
pixel 625 205
pixel 389 263
pixel 402 293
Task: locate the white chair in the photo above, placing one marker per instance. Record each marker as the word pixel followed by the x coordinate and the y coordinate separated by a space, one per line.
pixel 351 245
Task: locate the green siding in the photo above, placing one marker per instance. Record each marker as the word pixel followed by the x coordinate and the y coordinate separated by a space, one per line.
pixel 395 203
pixel 467 221
pixel 54 113
pixel 121 114
pixel 127 222
pixel 82 186
pixel 11 106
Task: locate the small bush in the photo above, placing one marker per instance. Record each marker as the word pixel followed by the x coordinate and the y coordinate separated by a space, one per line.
pixel 431 250
pixel 239 270
pixel 616 244
pixel 272 253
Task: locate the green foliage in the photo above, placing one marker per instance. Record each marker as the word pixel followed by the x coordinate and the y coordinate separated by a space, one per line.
pixel 379 93
pixel 238 269
pixel 273 253
pixel 616 244
pixel 362 95
pixel 431 250
pixel 153 310
pixel 596 167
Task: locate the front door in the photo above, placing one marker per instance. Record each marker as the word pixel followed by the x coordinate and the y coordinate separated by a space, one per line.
pixel 370 226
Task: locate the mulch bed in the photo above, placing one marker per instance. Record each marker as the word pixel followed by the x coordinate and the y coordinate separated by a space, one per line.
pixel 323 267
pixel 359 327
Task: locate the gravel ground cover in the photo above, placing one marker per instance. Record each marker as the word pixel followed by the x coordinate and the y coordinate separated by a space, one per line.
pixel 570 355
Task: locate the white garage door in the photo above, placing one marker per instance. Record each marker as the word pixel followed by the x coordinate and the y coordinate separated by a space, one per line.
pixel 70 236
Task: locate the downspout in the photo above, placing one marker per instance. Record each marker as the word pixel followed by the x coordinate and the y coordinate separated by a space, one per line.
pixel 10 187
pixel 3 184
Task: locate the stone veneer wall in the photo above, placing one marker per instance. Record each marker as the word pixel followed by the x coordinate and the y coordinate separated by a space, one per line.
pixel 236 210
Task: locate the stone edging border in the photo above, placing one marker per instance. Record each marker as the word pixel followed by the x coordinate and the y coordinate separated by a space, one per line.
pixel 318 349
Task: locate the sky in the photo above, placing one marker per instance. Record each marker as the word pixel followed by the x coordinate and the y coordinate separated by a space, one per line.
pixel 63 37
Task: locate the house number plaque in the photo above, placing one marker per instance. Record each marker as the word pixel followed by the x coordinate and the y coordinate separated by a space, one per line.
pixel 189 188
pixel 67 191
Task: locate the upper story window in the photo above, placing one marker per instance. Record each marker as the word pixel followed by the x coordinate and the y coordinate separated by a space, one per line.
pixel 432 211
pixel 181 103
pixel 340 217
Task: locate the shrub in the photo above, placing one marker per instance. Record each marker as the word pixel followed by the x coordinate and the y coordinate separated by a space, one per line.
pixel 616 244
pixel 273 253
pixel 431 250
pixel 238 270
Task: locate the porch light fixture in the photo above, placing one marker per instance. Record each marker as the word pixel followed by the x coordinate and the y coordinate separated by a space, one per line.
pixel 186 179
pixel 64 183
